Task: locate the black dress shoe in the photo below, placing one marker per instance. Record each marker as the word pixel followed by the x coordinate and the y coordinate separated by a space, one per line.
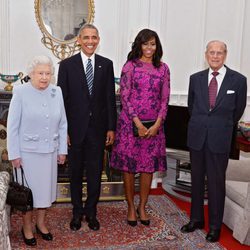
pixel 213 235
pixel 143 222
pixel 132 223
pixel 28 242
pixel 93 223
pixel 75 223
pixel 191 226
pixel 48 236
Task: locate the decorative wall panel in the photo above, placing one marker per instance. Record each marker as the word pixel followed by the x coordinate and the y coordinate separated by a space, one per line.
pixel 5 38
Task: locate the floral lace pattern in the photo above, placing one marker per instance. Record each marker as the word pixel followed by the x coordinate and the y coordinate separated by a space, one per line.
pixel 144 93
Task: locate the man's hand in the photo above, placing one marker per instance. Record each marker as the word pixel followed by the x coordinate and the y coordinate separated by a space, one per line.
pixel 68 141
pixel 110 138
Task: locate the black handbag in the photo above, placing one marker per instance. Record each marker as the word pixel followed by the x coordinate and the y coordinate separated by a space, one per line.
pixel 19 196
pixel 146 124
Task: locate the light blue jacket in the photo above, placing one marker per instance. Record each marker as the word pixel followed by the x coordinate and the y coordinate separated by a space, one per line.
pixel 36 121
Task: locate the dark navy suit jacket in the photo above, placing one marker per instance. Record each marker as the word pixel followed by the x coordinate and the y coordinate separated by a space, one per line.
pixel 79 105
pixel 215 126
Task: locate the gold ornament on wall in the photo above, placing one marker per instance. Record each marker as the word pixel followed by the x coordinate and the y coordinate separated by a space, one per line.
pixel 60 21
pixel 9 79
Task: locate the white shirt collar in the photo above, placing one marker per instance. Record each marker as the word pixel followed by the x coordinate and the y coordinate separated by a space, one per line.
pixel 221 71
pixel 85 58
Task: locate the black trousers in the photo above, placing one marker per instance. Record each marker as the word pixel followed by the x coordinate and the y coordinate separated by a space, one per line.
pixel 89 155
pixel 213 165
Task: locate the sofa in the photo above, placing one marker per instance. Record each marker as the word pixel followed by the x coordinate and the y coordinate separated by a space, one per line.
pixel 237 202
pixel 4 211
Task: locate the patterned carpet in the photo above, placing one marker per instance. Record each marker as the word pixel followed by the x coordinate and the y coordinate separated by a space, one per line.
pixel 163 233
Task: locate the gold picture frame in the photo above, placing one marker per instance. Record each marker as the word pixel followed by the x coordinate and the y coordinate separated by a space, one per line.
pixel 65 44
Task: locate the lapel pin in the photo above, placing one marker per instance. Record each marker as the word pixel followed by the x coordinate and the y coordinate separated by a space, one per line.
pixel 99 66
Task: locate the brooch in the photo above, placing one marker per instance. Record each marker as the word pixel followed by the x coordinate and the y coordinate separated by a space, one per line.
pixel 53 92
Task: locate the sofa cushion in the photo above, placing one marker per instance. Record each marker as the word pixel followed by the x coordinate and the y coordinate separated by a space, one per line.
pixel 237 191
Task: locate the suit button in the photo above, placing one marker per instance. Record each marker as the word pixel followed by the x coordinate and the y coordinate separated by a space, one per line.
pixel 90 114
pixel 46 140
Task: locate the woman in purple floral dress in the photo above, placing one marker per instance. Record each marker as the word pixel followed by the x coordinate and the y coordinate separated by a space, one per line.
pixel 145 88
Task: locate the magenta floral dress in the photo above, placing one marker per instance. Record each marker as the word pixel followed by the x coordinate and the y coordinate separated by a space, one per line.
pixel 144 93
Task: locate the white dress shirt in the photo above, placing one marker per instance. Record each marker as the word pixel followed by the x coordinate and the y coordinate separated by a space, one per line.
pixel 222 72
pixel 85 61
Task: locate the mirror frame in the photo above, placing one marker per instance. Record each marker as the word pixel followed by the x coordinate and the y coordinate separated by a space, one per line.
pixel 61 49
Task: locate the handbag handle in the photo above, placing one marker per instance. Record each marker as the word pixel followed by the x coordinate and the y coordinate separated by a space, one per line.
pixel 22 175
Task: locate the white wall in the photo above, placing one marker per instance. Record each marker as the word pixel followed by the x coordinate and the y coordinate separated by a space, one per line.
pixel 184 26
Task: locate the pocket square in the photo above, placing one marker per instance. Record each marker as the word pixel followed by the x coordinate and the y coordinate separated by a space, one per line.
pixel 230 92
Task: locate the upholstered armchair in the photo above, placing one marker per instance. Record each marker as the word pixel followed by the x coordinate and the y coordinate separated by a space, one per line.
pixel 237 202
pixel 4 217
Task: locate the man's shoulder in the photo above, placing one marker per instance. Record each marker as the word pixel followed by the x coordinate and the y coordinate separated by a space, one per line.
pixel 70 59
pixel 199 73
pixel 103 59
pixel 235 73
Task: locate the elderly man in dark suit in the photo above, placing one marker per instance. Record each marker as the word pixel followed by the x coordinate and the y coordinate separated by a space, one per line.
pixel 216 102
pixel 87 82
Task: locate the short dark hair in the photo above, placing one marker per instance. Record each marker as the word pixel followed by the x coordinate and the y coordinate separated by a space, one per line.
pixel 88 26
pixel 144 36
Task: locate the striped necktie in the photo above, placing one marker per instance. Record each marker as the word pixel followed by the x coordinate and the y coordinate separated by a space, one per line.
pixel 89 76
pixel 212 90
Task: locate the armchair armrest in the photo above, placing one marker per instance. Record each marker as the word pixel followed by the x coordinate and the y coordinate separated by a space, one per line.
pixel 238 170
pixel 4 185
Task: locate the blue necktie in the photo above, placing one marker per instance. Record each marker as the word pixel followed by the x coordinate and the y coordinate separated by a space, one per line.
pixel 89 76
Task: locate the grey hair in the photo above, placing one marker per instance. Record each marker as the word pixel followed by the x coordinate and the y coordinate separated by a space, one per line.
pixel 87 26
pixel 40 60
pixel 217 41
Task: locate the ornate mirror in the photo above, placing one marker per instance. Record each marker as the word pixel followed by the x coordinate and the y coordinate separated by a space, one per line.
pixel 60 20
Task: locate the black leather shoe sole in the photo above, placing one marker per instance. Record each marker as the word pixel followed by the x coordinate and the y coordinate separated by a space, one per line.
pixel 192 226
pixel 93 223
pixel 75 224
pixel 47 236
pixel 213 235
pixel 28 242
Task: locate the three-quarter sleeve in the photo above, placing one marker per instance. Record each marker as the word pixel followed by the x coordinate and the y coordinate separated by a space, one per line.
pixel 165 92
pixel 126 83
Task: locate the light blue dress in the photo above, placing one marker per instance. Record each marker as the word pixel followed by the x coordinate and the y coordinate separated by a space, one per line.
pixel 37 133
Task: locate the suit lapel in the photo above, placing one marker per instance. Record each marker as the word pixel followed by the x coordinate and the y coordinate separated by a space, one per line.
pixel 204 87
pixel 224 87
pixel 97 73
pixel 81 73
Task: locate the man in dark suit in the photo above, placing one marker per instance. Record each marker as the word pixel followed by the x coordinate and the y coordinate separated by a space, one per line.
pixel 216 102
pixel 87 82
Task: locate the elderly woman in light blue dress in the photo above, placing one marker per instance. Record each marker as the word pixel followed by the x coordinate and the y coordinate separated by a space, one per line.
pixel 37 140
